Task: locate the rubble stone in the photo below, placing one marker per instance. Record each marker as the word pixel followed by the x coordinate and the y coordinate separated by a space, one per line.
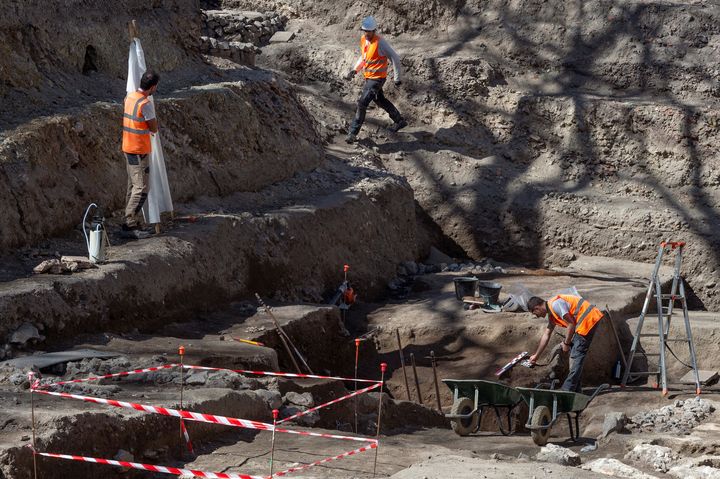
pixel 615 468
pixel 558 455
pixel 660 458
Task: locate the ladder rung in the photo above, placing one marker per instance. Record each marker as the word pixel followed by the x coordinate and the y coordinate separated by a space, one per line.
pixel 646 373
pixel 678 340
pixel 652 355
pixel 648 335
pixel 677 297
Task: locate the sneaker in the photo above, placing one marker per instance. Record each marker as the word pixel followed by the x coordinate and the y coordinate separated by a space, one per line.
pixel 351 138
pixel 395 127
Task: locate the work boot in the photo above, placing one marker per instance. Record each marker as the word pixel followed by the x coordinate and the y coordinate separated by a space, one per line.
pixel 133 232
pixel 395 127
pixel 350 138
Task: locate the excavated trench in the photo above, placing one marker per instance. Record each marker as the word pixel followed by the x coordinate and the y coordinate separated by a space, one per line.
pixel 535 167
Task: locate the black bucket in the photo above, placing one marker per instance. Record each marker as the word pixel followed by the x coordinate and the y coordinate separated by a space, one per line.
pixel 465 286
pixel 489 291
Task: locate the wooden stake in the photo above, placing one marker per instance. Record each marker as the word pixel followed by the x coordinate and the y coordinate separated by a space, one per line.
pixel 437 388
pixel 402 364
pixel 357 355
pixel 417 383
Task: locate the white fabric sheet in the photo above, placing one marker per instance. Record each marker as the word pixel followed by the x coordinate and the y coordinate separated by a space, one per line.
pixel 159 198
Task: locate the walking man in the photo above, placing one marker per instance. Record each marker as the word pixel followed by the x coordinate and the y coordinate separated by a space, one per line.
pixel 580 318
pixel 139 122
pixel 376 54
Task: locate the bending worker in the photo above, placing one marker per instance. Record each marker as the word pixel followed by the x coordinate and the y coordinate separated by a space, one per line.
pixel 376 54
pixel 139 122
pixel 580 318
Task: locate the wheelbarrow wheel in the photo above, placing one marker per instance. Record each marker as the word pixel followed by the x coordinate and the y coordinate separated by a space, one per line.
pixel 541 417
pixel 463 427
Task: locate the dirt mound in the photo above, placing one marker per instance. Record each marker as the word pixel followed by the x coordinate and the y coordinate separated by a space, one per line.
pixel 66 53
pixel 52 168
pixel 395 16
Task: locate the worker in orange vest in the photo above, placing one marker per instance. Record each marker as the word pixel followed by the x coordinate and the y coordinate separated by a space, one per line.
pixel 139 122
pixel 579 317
pixel 376 54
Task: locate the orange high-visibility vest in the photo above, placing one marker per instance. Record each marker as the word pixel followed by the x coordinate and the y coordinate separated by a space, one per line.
pixel 586 315
pixel 136 133
pixel 376 66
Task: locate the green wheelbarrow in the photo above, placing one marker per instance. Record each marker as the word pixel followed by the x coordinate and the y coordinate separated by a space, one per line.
pixel 547 405
pixel 472 396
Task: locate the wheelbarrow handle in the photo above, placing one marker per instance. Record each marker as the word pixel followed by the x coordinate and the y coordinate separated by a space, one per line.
pixel 599 389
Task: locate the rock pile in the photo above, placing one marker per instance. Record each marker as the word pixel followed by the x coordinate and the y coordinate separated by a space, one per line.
pixel 679 418
pixel 235 34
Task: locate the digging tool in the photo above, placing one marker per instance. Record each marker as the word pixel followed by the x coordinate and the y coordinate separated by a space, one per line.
pixel 280 332
pixel 435 378
pixel 511 364
pixel 417 383
pixel 402 364
pixel 617 338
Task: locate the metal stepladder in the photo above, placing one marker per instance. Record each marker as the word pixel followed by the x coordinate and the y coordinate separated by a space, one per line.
pixel 664 313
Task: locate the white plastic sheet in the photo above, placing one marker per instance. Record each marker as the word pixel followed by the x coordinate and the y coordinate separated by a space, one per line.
pixel 159 199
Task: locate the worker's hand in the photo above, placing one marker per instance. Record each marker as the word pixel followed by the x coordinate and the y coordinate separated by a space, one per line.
pixel 349 75
pixel 533 359
pixel 565 347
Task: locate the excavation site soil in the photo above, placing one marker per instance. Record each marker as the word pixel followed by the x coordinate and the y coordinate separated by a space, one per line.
pixel 326 302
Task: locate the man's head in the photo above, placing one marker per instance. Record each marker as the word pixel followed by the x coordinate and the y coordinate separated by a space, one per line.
pixel 537 306
pixel 149 82
pixel 369 25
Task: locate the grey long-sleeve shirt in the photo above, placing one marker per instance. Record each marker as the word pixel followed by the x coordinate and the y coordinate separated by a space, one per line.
pixel 385 50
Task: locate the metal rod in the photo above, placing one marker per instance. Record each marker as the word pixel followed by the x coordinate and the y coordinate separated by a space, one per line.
pixel 275 414
pixel 357 355
pixel 32 417
pixel 183 439
pixel 383 368
pixel 435 378
pixel 417 383
pixel 402 364
pixel 280 333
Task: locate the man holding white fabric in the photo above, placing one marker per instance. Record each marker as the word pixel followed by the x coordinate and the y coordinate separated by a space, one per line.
pixel 139 122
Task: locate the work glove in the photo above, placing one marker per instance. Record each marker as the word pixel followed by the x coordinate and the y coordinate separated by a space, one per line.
pixel 349 76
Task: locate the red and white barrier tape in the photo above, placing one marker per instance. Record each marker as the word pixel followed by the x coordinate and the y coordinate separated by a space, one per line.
pixel 287 375
pixel 328 459
pixel 199 417
pixel 148 467
pixel 115 375
pixel 334 401
pixel 187 437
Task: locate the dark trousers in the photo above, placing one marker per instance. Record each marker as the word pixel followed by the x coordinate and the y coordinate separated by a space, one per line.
pixel 578 352
pixel 372 91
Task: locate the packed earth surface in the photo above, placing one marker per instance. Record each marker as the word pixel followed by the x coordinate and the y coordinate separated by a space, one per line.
pixel 551 147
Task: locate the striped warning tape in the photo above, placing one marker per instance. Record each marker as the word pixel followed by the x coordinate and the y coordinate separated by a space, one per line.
pixel 199 417
pixel 287 375
pixel 115 375
pixel 334 401
pixel 328 459
pixel 149 467
pixel 187 437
